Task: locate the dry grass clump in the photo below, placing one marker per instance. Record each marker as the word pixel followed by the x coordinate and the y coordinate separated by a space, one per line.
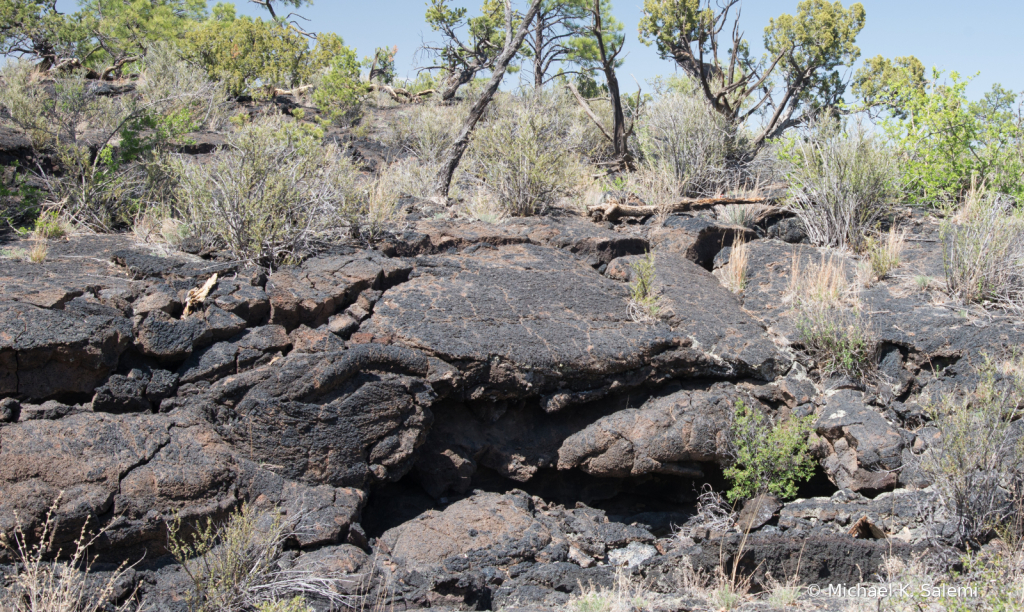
pixel 734 274
pixel 829 323
pixel 652 185
pixel 979 468
pixel 822 284
pixel 41 583
pixel 743 215
pixel 983 251
pixel 841 181
pixel 885 254
pixel 235 566
pixel 38 252
pixel 626 595
pixel 483 206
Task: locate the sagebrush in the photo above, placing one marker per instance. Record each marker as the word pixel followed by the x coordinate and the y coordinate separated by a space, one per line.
pixel 271 194
pixel 842 180
pixel 983 251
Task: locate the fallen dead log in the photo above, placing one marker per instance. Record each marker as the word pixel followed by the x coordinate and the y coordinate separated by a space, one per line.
pixel 401 95
pixel 611 211
pixel 298 91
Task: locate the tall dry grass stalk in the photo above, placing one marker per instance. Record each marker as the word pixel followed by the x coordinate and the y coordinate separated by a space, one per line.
pixel 734 274
pixel 885 254
pixel 828 320
pixel 822 284
pixel 43 583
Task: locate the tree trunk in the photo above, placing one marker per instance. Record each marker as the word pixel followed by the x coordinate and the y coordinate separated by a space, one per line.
pixel 454 82
pixel 538 56
pixel 619 136
pixel 444 176
pixel 619 121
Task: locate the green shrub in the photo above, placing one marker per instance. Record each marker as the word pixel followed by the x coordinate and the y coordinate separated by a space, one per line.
pixel 19 199
pixel 25 102
pixel 526 153
pixel 270 194
pixel 838 338
pixel 768 456
pixel 340 93
pixel 983 251
pixel 946 141
pixel 107 189
pixel 842 179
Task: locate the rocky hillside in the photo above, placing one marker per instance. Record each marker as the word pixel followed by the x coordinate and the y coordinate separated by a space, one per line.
pixel 466 415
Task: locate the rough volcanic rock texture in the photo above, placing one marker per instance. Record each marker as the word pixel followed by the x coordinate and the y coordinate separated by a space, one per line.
pixel 859 448
pixel 668 435
pixel 344 418
pixel 49 353
pixel 528 321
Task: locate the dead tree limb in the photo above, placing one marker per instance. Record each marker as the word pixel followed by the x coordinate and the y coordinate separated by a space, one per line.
pixel 590 113
pixel 298 91
pixel 116 66
pixel 613 210
pixel 402 95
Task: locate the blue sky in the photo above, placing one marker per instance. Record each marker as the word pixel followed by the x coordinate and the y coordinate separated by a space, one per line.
pixel 984 37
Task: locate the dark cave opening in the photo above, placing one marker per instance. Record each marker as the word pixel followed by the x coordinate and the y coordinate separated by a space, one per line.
pixel 661 502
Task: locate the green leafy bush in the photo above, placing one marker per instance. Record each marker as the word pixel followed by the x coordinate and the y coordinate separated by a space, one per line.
pixel 946 141
pixel 104 182
pixel 340 93
pixel 768 456
pixel 271 194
